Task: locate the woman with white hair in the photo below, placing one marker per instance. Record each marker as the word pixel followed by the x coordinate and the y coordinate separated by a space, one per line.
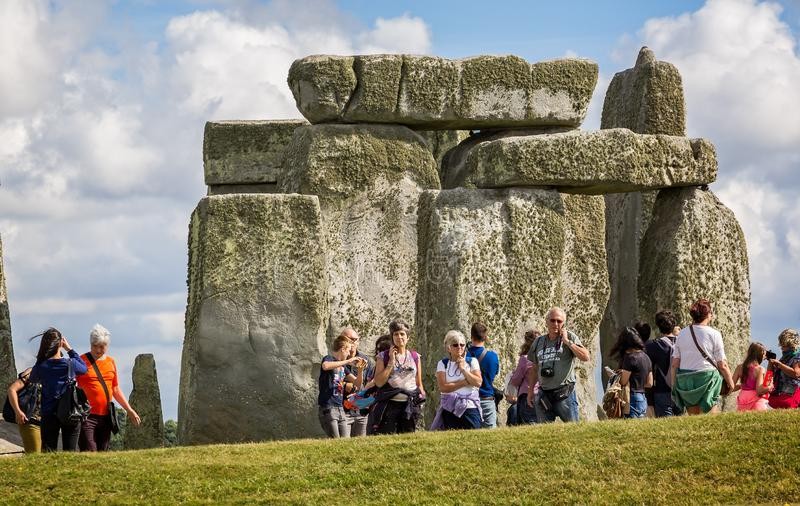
pixel 458 378
pixel 101 384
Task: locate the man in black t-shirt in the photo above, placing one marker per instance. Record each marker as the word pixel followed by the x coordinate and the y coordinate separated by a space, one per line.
pixel 660 353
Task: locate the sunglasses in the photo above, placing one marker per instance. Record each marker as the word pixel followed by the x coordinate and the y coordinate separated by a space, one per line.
pixel 458 345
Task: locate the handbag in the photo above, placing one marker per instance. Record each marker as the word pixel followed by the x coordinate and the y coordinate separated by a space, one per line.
pixel 725 390
pixel 30 402
pixel 112 408
pixel 559 394
pixel 73 406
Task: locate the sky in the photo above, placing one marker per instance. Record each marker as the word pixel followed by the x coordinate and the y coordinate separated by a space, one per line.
pixel 103 104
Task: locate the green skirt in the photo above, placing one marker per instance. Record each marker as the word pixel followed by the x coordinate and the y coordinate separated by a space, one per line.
pixel 697 388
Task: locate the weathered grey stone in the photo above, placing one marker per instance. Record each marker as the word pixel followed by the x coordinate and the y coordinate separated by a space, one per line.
pixel 368 179
pixel 255 319
pixel 441 141
pixel 503 257
pixel 436 93
pixel 226 189
pixel 694 248
pixel 647 98
pixel 8 369
pixel 146 400
pixel 245 152
pixel 605 161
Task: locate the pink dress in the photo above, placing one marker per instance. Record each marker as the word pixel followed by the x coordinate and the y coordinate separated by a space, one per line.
pixel 748 399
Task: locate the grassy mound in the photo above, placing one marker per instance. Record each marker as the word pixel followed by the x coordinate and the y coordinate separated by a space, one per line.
pixel 729 458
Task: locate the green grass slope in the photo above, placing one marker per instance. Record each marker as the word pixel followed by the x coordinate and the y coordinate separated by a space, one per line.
pixel 730 458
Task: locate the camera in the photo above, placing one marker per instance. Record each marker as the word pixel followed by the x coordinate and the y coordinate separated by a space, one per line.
pixel 548 372
pixel 771 355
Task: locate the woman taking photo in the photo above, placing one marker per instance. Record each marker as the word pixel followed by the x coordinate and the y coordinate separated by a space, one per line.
pixel 458 379
pixel 749 376
pixel 100 389
pixel 52 371
pixel 398 376
pixel 636 369
pixel 699 366
pixel 786 372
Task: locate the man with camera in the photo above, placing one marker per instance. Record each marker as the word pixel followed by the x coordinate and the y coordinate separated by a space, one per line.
pixel 553 357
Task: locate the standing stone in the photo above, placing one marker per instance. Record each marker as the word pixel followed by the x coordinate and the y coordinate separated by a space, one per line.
pixel 368 179
pixel 146 401
pixel 245 156
pixel 436 93
pixel 694 248
pixel 255 319
pixel 647 99
pixel 504 257
pixel 442 141
pixel 8 369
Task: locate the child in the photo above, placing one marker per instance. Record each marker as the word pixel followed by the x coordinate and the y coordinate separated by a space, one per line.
pixel 749 376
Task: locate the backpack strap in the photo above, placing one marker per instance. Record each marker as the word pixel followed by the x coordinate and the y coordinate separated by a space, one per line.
pixel 483 354
pixel 701 350
pixel 91 360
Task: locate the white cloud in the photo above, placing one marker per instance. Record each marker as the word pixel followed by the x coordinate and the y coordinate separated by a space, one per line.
pixel 406 34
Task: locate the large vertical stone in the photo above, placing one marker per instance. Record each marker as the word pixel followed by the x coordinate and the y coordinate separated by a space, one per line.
pixel 504 257
pixel 255 319
pixel 694 248
pixel 647 99
pixel 368 179
pixel 8 369
pixel 146 400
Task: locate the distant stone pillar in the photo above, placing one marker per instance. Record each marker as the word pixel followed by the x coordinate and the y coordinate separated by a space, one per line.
pixel 146 400
pixel 8 369
pixel 647 99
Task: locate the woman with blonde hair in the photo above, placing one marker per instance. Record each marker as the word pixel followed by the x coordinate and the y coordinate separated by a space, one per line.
pixel 458 378
pixel 749 377
pixel 786 372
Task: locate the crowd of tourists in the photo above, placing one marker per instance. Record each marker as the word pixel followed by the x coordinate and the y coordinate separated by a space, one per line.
pixel 68 395
pixel 681 371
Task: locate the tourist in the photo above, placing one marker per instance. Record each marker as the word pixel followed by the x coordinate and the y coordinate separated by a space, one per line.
pixel 660 353
pixel 27 423
pixel 458 377
pixel 786 372
pixel 100 390
pixel 52 371
pixel 331 389
pixel 636 369
pixel 490 366
pixel 524 413
pixel 644 330
pixel 398 375
pixel 749 376
pixel 699 366
pixel 382 344
pixel 553 356
pixel 356 376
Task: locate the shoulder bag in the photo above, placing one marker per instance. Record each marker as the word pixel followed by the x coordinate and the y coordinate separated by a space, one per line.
pixel 112 408
pixel 725 390
pixel 30 402
pixel 73 406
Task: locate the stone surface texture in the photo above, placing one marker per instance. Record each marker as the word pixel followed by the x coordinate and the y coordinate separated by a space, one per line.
pixel 437 93
pixel 604 161
pixel 442 141
pixel 255 319
pixel 245 152
pixel 694 248
pixel 146 400
pixel 8 369
pixel 503 257
pixel 647 99
pixel 368 179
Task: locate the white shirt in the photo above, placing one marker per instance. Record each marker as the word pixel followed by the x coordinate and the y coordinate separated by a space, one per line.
pixel 691 358
pixel 452 374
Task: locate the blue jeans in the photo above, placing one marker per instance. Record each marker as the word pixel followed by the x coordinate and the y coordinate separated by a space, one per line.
pixel 565 409
pixel 663 404
pixel 489 410
pixel 525 414
pixel 638 405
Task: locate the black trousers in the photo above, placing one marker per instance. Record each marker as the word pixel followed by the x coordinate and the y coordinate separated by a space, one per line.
pixel 51 426
pixel 95 434
pixel 394 419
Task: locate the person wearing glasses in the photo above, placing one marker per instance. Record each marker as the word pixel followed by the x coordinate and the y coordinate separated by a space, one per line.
pixel 458 377
pixel 553 357
pixel 356 377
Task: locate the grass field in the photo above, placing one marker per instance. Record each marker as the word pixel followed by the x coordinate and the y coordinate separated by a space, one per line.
pixel 731 458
